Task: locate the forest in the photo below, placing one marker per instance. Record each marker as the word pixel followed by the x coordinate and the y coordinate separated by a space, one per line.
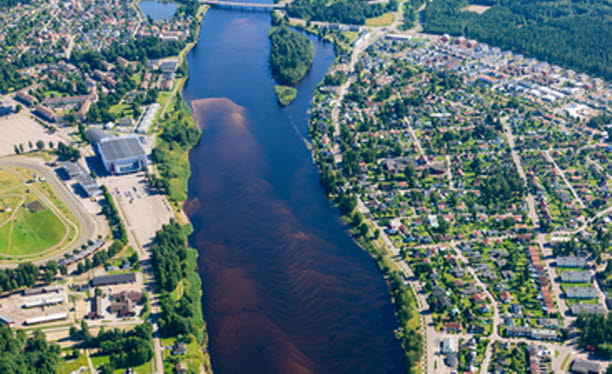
pixel 573 34
pixel 596 334
pixel 291 55
pixel 18 354
pixel 353 12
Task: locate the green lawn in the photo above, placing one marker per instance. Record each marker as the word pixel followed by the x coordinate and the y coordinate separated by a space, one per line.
pixel 30 232
pixel 121 110
pixel 145 368
pixel 70 365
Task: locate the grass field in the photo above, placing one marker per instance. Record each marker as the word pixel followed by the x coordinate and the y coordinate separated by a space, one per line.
pixel 67 366
pixel 384 20
pixel 98 361
pixel 33 219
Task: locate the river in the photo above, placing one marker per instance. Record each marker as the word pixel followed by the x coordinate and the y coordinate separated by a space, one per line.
pixel 285 288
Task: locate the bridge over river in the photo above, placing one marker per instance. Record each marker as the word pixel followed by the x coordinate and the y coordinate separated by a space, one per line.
pixel 244 6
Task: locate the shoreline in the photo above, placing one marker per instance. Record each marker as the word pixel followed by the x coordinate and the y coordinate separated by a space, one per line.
pixel 205 366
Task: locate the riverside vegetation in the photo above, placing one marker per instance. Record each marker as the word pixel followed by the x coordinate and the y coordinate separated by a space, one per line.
pixel 291 56
pixel 174 267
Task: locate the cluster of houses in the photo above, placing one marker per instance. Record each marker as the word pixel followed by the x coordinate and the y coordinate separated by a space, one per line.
pixel 538 270
pixel 513 74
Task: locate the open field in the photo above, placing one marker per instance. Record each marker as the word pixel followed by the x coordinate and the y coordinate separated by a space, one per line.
pixel 40 218
pixel 20 129
pixel 384 20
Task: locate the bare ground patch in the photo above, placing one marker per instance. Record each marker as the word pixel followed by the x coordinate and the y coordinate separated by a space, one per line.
pixel 476 8
pixel 21 129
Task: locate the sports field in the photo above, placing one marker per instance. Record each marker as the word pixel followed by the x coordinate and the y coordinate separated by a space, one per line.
pixel 33 219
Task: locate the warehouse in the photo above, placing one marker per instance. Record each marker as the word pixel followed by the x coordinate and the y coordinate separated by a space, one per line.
pixel 44 319
pixel 108 280
pixel 119 155
pixel 44 302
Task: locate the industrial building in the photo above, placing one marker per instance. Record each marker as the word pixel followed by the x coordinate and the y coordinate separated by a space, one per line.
pixel 85 181
pixel 147 119
pixel 109 280
pixel 44 319
pixel 6 321
pixel 43 290
pixel 119 155
pixel 44 302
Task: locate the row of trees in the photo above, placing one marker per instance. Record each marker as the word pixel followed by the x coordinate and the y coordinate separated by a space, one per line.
pixel 563 32
pixel 291 55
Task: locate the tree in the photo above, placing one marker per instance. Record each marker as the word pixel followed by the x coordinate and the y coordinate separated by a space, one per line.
pixel 40 145
pixel 364 229
pixel 67 153
pixel 51 144
pixel 347 203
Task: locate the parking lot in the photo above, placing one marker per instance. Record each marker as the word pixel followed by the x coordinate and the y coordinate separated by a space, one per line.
pixel 145 212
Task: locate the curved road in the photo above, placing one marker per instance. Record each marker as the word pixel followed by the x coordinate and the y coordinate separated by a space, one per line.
pixel 85 220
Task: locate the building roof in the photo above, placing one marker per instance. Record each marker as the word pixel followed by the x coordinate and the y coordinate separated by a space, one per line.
pixel 71 168
pixel 581 292
pixel 113 279
pixel 584 366
pixel 588 309
pixel 96 135
pixel 114 149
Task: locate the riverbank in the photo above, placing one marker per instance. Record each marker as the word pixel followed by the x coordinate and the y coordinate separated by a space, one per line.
pixel 172 170
pixel 368 236
pixel 286 289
